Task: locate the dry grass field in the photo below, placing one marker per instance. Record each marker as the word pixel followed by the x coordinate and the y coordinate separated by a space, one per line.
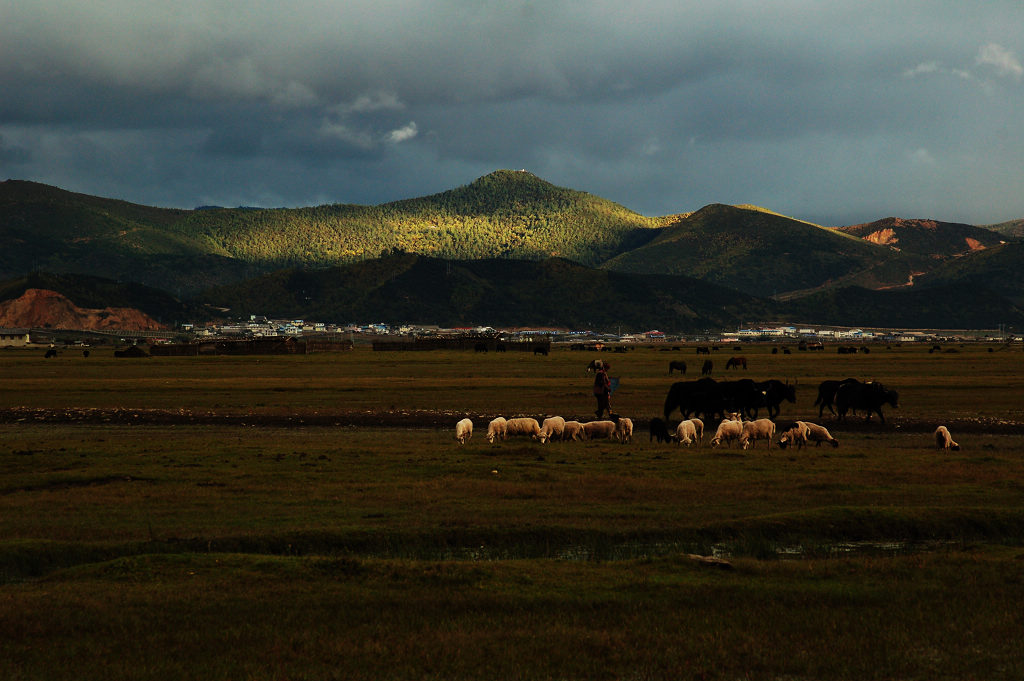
pixel 312 517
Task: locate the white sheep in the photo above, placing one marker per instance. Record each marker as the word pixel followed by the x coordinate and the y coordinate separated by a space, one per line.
pixel 943 440
pixel 818 434
pixel 463 431
pixel 624 430
pixel 795 434
pixel 497 429
pixel 552 429
pixel 728 430
pixel 686 433
pixel 761 429
pixel 522 426
pixel 698 428
pixel 573 431
pixel 593 430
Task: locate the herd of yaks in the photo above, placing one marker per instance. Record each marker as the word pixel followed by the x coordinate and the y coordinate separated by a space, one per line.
pixel 732 429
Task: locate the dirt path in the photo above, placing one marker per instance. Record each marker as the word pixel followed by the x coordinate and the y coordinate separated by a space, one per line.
pixel 422 419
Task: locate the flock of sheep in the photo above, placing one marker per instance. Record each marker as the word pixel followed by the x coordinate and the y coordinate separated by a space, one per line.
pixel 553 428
pixel 689 431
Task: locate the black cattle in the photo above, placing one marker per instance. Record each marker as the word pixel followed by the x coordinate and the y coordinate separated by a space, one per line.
pixel 703 350
pixel 480 347
pixel 51 352
pixel 659 431
pixel 786 351
pixel 866 397
pixel 540 350
pixel 827 395
pixel 743 396
pixel 500 347
pixel 703 397
pixel 773 393
pixel 846 350
pixel 677 366
pixel 706 369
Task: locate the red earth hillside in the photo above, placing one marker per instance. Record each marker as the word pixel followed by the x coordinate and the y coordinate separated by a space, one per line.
pixel 39 308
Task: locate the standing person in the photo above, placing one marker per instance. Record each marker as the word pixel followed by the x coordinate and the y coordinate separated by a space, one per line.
pixel 603 390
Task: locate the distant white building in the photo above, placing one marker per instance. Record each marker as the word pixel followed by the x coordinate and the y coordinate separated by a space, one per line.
pixel 17 338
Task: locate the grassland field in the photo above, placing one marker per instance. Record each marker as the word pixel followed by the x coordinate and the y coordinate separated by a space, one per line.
pixel 312 517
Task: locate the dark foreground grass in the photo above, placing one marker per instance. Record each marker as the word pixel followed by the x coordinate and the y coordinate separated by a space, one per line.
pixel 944 615
pixel 195 551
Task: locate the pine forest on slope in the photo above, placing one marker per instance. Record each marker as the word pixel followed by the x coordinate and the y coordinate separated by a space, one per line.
pixel 506 216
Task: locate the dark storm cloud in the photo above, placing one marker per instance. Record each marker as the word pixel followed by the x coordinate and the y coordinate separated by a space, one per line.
pixel 833 112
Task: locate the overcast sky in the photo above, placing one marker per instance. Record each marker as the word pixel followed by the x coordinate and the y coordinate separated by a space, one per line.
pixel 834 112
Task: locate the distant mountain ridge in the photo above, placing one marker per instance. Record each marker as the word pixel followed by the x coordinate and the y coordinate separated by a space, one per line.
pixel 926 237
pixel 409 288
pixel 759 252
pixel 405 287
pixel 504 217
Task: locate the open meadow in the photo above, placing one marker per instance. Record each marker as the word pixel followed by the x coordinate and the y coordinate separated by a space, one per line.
pixel 312 517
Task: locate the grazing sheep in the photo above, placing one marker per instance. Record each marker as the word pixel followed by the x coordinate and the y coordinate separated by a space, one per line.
pixel 593 430
pixel 463 431
pixel 624 430
pixel 497 429
pixel 686 433
pixel 943 440
pixel 698 427
pixel 659 430
pixel 728 430
pixel 522 426
pixel 794 433
pixel 761 429
pixel 551 429
pixel 573 431
pixel 818 434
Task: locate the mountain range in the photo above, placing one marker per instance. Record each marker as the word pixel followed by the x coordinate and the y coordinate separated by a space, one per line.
pixel 510 249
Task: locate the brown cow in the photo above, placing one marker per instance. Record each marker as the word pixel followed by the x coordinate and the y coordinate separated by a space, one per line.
pixel 736 362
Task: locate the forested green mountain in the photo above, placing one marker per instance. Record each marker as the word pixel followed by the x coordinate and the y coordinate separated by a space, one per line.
pixel 999 269
pixel 761 253
pixel 511 214
pixel 507 214
pixel 44 228
pixel 950 306
pixel 498 292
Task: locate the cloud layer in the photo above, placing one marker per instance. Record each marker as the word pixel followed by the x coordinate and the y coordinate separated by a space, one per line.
pixel 831 112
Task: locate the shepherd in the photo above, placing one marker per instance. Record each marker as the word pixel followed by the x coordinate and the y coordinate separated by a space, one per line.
pixel 603 390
